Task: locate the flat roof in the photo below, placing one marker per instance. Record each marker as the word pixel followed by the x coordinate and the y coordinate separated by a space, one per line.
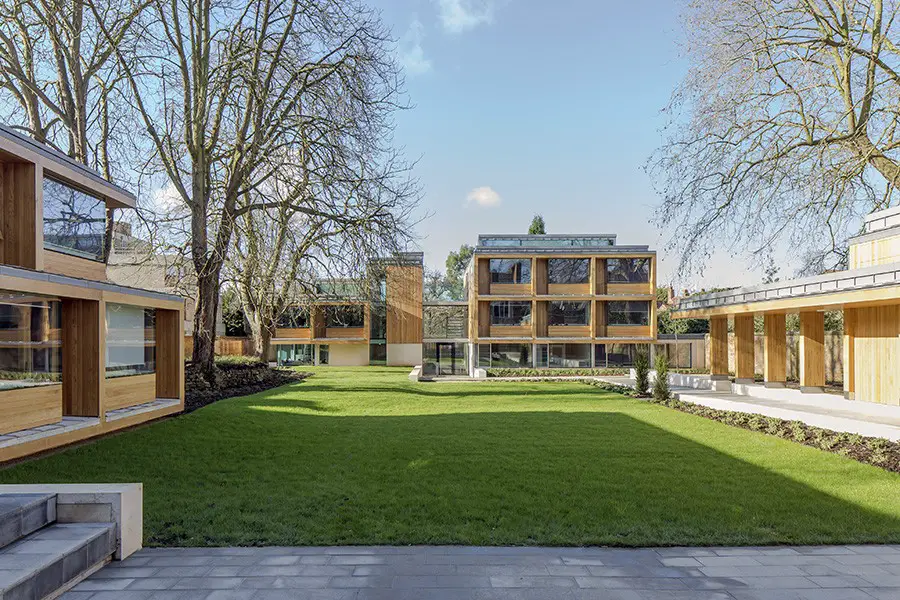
pixel 816 289
pixel 64 167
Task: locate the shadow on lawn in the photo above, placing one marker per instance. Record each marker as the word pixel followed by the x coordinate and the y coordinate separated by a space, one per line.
pixel 431 390
pixel 258 477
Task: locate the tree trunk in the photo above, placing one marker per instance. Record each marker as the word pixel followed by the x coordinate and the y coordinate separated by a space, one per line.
pixel 205 324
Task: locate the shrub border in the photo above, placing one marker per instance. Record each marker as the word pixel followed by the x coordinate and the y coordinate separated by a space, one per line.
pixel 875 451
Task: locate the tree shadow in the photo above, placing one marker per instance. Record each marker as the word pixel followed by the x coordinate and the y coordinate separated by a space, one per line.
pixel 248 475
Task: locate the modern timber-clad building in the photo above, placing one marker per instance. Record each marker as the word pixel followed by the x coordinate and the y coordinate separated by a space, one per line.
pixel 79 356
pixel 868 293
pixel 533 301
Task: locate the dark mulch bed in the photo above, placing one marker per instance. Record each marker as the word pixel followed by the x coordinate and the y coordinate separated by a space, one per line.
pixel 234 379
pixel 879 452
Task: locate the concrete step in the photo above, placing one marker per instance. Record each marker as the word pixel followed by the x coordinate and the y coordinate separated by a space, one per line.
pixel 22 514
pixel 54 558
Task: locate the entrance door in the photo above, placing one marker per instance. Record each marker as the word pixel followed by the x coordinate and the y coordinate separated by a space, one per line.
pixel 451 359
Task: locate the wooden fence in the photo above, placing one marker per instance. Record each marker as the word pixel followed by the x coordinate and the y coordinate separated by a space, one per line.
pixel 225 346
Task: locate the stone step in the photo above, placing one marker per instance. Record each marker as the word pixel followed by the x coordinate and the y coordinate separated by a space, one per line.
pixel 23 514
pixel 54 558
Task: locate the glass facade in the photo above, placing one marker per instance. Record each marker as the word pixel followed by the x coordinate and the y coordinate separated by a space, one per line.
pixel 678 355
pixel 294 317
pixel 635 312
pixel 587 241
pixel 294 354
pixel 377 352
pixel 30 340
pixel 568 313
pixel 628 270
pixel 618 355
pixel 74 222
pixel 445 322
pixel 510 270
pixel 130 340
pixel 568 270
pixel 511 355
pixel 345 315
pixel 323 354
pixel 570 356
pixel 513 312
pixel 444 358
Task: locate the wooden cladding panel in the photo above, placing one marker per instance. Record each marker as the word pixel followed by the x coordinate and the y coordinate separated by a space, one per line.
pixel 514 331
pixel 875 252
pixel 620 289
pixel 169 354
pixel 812 349
pixel 539 315
pixel 74 266
pixel 317 321
pixel 877 354
pixel 404 305
pixel 600 276
pixel 718 345
pixel 539 276
pixel 744 340
pixel 569 289
pixel 628 331
pixel 510 289
pixel 483 275
pixel 30 407
pixel 346 332
pixel 296 333
pixel 775 348
pixel 83 335
pixel 484 319
pixel 599 319
pixel 569 331
pixel 18 215
pixel 122 392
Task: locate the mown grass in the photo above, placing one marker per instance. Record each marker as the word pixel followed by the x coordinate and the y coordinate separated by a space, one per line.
pixel 362 456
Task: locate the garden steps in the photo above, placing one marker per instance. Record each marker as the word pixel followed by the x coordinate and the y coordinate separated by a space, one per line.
pixel 39 557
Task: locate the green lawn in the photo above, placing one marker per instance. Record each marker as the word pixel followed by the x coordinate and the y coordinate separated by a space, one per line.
pixel 362 456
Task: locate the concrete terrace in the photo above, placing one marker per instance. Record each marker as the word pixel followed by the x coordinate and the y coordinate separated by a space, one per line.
pixel 487 573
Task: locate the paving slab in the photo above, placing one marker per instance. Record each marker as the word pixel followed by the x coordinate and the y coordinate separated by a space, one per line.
pixel 498 573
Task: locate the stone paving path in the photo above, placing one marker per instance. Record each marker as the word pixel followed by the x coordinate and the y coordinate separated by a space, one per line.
pixel 492 573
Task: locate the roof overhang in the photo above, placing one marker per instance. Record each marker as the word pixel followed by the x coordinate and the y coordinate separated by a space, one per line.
pixel 15 147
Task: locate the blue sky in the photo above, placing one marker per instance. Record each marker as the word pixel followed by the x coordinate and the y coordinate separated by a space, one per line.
pixel 529 106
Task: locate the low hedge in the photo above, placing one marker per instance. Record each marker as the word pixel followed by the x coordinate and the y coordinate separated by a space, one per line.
pixel 556 372
pixel 879 452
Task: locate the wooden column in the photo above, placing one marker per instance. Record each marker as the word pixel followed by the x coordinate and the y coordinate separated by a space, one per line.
pixel 718 347
pixel 774 326
pixel 812 351
pixel 743 346
pixel 83 357
pixel 849 358
pixel 169 354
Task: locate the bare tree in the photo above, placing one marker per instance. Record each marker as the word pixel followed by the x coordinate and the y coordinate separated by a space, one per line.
pixel 784 129
pixel 57 76
pixel 220 86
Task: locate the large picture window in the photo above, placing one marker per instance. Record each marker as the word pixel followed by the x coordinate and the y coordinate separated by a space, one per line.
pixel 30 347
pixel 347 315
pixel 294 317
pixel 511 355
pixel 619 355
pixel 568 313
pixel 628 313
pixel 130 340
pixel 510 270
pixel 74 221
pixel 628 270
pixel 294 354
pixel 568 270
pixel 514 313
pixel 570 356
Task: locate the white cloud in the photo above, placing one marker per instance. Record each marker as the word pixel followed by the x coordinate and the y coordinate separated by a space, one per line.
pixel 458 16
pixel 412 56
pixel 484 196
